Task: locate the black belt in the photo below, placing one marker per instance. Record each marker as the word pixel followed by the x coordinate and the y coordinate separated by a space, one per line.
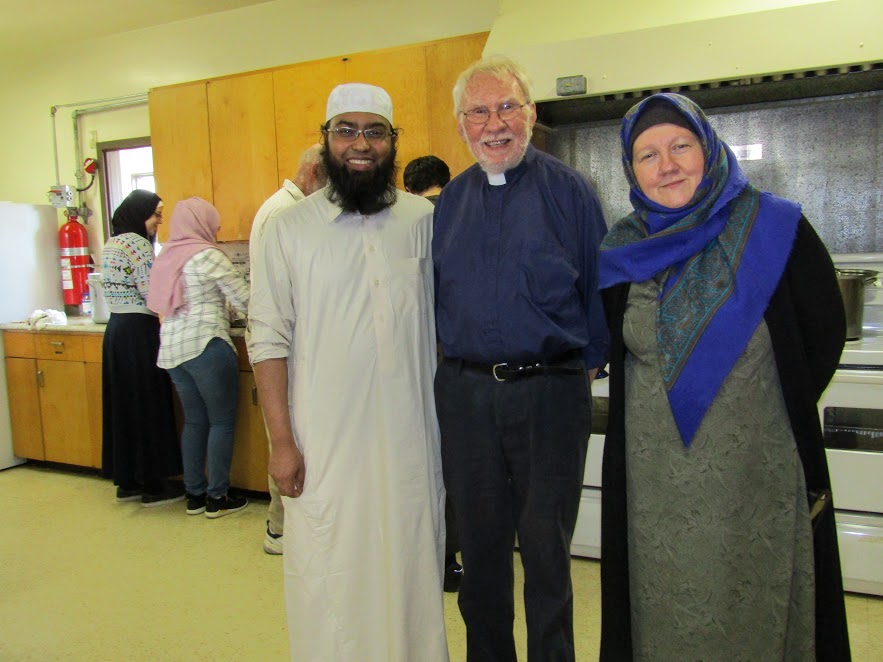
pixel 508 371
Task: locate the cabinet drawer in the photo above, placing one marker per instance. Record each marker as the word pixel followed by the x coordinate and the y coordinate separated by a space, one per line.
pixel 59 346
pixel 92 344
pixel 19 343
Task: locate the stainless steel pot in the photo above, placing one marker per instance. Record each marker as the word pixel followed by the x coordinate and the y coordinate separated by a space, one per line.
pixel 852 288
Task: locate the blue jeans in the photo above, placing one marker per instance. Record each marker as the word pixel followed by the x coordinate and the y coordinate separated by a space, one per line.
pixel 208 387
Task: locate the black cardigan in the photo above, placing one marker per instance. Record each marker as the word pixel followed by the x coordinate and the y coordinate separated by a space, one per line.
pixel 807 326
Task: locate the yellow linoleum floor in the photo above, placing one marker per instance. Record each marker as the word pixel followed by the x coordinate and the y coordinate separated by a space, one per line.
pixel 85 578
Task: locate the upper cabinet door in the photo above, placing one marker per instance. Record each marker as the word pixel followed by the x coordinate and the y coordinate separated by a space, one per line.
pixel 243 149
pixel 301 94
pixel 179 137
pixel 445 60
pixel 402 73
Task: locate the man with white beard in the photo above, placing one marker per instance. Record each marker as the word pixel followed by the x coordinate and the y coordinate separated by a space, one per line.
pixel 522 330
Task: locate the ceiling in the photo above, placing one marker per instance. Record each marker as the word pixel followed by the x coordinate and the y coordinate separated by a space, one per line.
pixel 29 25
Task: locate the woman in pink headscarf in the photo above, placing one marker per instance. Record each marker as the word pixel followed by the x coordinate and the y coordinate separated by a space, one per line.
pixel 191 281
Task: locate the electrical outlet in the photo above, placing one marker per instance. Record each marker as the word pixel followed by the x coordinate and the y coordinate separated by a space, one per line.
pixel 570 85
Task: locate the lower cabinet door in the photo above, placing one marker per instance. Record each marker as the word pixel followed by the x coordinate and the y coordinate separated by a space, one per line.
pixel 250 449
pixel 64 412
pixel 95 405
pixel 24 408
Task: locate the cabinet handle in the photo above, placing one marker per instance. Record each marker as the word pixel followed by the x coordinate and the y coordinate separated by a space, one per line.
pixel 56 343
pixel 39 378
pixel 254 395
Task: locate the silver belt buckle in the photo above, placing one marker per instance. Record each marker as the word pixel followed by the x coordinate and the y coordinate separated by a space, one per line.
pixel 494 370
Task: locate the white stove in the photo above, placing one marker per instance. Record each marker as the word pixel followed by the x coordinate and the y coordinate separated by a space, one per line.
pixel 866 351
pixel 851 411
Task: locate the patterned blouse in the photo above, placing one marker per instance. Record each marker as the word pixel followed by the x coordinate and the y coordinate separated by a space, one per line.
pixel 125 268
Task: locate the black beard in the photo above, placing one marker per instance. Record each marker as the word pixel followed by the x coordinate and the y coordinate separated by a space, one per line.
pixel 365 192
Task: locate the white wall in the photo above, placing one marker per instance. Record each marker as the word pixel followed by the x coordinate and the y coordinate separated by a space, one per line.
pixel 629 44
pixel 265 35
pixel 646 44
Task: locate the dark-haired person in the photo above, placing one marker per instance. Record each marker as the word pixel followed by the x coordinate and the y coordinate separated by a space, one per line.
pixel 343 347
pixel 140 448
pixel 726 325
pixel 426 176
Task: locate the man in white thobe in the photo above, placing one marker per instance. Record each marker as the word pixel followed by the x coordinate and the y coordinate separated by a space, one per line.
pixel 343 347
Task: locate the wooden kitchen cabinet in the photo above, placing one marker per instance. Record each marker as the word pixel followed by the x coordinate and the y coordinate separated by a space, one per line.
pixel 65 418
pixel 250 448
pixel 402 73
pixel 55 396
pixel 300 95
pixel 242 134
pixel 24 407
pixel 94 408
pixel 233 140
pixel 444 61
pixel 54 383
pixel 179 138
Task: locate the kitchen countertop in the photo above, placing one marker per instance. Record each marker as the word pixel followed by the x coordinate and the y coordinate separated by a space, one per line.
pixel 81 325
pixel 74 325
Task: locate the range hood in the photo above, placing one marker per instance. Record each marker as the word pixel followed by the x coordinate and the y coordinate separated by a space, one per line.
pixel 634 47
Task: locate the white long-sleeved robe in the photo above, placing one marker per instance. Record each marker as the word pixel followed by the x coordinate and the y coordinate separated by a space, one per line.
pixel 348 301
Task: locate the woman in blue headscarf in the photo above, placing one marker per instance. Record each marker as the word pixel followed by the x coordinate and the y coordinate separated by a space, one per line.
pixel 726 325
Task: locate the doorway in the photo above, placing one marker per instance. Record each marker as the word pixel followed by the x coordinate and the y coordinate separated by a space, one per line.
pixel 125 165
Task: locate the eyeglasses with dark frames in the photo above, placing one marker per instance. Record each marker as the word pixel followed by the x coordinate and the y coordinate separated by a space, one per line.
pixel 349 134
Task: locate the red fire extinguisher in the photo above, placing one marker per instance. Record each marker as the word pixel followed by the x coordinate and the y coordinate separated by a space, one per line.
pixel 73 240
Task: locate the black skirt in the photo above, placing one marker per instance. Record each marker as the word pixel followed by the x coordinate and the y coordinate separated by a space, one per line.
pixel 140 439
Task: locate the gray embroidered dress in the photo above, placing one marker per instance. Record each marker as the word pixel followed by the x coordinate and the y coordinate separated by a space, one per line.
pixel 720 547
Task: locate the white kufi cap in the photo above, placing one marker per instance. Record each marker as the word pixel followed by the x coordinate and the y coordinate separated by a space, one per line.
pixel 359 98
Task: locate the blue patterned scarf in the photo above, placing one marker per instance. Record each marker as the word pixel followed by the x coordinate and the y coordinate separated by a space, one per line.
pixel 725 252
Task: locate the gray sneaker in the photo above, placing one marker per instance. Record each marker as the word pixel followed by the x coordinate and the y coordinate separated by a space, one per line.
pixel 272 541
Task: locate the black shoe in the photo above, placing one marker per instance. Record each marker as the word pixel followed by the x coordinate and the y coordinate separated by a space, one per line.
pixel 453 577
pixel 128 495
pixel 224 506
pixel 169 494
pixel 195 504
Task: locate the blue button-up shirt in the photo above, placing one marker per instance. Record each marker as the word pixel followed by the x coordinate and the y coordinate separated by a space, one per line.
pixel 516 265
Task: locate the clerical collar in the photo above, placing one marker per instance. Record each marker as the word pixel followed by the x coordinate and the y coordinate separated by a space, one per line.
pixel 496 180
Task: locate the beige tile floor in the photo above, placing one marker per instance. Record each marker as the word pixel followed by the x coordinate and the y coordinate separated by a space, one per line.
pixel 85 578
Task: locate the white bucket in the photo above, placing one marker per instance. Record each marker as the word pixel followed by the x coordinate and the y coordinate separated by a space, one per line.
pixel 100 312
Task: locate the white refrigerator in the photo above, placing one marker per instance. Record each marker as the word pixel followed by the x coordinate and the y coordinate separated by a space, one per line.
pixel 30 277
